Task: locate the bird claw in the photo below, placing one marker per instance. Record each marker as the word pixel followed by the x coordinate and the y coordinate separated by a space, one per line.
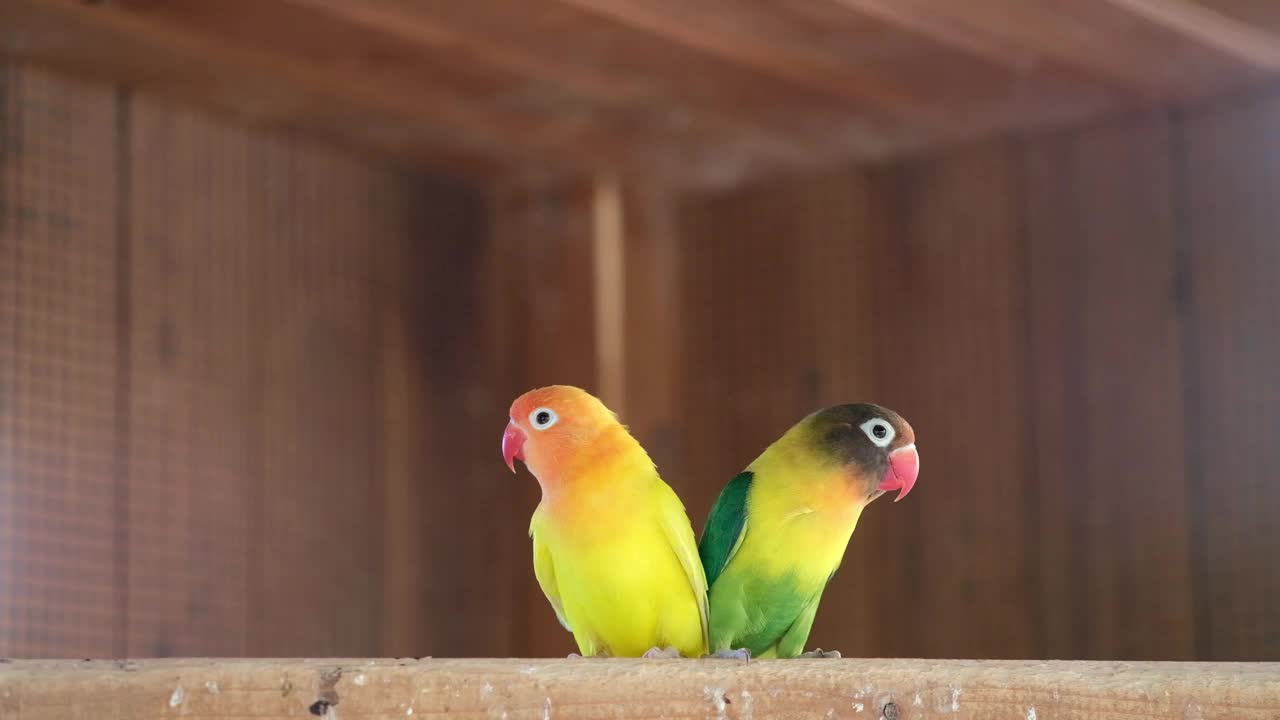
pixel 743 654
pixel 597 656
pixel 661 653
pixel 818 653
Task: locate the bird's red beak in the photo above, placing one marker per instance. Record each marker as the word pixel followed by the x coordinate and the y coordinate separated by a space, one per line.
pixel 513 445
pixel 904 466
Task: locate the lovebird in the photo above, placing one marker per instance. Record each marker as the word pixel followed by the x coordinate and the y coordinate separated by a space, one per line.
pixel 613 549
pixel 779 529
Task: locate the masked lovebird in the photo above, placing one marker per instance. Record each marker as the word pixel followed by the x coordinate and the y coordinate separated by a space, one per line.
pixel 780 528
pixel 612 546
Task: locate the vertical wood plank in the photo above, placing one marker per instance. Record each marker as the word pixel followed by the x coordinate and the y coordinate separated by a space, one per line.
pixel 190 355
pixel 949 336
pixel 652 325
pixel 748 341
pixel 608 237
pixel 1107 372
pixel 1053 277
pixel 406 630
pixel 454 298
pixel 318 450
pixel 1230 163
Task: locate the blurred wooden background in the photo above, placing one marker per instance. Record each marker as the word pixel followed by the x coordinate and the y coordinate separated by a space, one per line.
pixel 252 385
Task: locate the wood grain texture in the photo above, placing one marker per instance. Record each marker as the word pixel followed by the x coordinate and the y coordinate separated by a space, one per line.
pixel 707 95
pixel 653 322
pixel 191 425
pixel 1228 190
pixel 1261 15
pixel 949 334
pixel 641 689
pixel 1107 379
pixel 456 305
pixel 321 278
pixel 176 64
pixel 1237 37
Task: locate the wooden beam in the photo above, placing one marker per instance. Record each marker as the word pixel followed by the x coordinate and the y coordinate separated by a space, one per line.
pixel 935 27
pixel 481 40
pixel 654 310
pixel 515 689
pixel 1258 47
pixel 291 64
pixel 397 79
pixel 104 43
pixel 839 85
pixel 609 263
pixel 1096 37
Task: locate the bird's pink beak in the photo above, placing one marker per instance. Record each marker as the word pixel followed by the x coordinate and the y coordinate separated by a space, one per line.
pixel 513 445
pixel 904 466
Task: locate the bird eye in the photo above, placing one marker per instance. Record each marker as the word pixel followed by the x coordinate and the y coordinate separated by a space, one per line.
pixel 543 418
pixel 879 432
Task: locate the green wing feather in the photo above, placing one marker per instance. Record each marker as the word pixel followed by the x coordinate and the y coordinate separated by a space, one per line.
pixel 725 527
pixel 737 619
pixel 792 642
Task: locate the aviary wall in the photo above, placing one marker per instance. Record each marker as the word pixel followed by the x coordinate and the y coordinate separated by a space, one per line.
pixel 230 361
pixel 251 387
pixel 1082 328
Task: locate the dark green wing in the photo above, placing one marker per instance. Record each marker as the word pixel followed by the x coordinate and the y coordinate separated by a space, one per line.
pixel 725 526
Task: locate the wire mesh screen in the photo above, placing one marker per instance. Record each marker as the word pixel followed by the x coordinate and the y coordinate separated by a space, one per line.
pixel 190 387
pixel 59 369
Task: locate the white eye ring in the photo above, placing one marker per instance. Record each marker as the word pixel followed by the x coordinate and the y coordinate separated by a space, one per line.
pixel 876 424
pixel 551 418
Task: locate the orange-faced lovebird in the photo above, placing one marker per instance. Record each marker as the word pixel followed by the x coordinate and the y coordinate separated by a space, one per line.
pixel 612 546
pixel 780 528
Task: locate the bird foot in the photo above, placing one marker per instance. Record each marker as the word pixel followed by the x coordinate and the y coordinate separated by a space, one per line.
pixel 818 653
pixel 743 654
pixel 597 656
pixel 658 653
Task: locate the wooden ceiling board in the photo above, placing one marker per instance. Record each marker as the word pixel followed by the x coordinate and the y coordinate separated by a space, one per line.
pixel 1244 32
pixel 1106 39
pixel 1263 15
pixel 942 87
pixel 202 72
pixel 695 69
pixel 688 80
pixel 477 32
pixel 712 92
pixel 343 58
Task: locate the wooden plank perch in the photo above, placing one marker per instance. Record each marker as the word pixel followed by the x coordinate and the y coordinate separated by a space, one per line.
pixel 543 689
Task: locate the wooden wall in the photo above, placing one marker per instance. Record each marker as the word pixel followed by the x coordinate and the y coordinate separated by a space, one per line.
pixel 225 380
pixel 251 388
pixel 1082 328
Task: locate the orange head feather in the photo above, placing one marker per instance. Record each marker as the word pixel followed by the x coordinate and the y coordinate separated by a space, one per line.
pixel 560 427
